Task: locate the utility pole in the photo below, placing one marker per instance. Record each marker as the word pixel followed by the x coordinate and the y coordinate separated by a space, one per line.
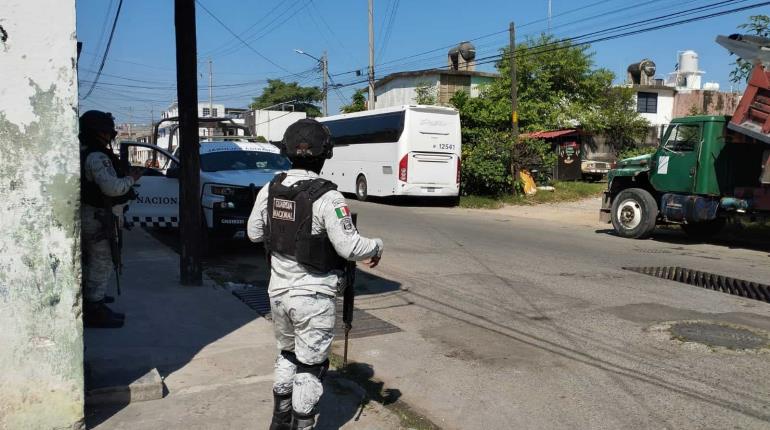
pixel 371 54
pixel 549 17
pixel 514 105
pixel 211 100
pixel 189 145
pixel 325 65
pixel 211 82
pixel 130 120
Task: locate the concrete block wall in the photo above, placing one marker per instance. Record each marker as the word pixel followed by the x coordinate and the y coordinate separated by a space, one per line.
pixel 41 334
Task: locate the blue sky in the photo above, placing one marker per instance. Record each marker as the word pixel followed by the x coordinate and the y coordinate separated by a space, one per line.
pixel 139 76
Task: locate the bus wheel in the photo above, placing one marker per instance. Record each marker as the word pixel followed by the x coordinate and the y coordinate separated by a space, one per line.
pixel 361 188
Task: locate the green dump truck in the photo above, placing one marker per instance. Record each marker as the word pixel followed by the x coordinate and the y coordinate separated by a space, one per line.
pixel 706 169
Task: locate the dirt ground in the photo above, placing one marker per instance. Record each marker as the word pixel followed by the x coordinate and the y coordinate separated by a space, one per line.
pixel 582 212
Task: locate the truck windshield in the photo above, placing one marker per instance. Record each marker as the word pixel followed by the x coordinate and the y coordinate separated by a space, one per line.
pixel 682 137
pixel 243 160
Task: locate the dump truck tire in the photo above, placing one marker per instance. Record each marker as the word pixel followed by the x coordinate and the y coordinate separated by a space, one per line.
pixel 634 213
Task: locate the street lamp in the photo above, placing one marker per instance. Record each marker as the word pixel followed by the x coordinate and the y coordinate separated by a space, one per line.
pixel 324 61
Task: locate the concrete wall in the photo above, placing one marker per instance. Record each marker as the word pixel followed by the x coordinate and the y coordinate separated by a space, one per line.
pixel 272 124
pixel 41 334
pixel 400 91
pixel 705 102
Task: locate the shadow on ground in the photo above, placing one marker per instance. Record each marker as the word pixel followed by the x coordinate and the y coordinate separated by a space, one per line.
pixel 409 201
pixel 169 324
pixel 733 237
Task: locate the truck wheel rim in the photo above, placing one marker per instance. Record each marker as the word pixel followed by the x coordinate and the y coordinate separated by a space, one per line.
pixel 629 214
pixel 361 188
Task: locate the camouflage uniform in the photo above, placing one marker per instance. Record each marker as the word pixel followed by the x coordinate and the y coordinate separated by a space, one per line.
pixel 98 268
pixel 303 302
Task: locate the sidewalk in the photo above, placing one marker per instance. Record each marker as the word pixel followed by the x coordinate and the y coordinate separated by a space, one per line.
pixel 213 354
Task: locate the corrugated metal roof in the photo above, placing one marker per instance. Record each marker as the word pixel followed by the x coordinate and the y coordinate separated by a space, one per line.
pixel 550 134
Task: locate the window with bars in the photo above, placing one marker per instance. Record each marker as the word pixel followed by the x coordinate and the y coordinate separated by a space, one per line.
pixel 206 112
pixel 647 102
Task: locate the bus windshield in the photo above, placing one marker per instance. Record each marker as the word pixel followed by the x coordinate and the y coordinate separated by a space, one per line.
pixel 243 160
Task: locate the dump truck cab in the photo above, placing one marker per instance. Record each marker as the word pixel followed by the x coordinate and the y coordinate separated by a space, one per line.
pixel 706 169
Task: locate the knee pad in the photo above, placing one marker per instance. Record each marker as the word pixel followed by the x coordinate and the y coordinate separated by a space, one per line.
pixel 318 370
pixel 284 375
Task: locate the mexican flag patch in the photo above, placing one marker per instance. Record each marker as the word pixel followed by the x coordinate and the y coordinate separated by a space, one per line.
pixel 342 212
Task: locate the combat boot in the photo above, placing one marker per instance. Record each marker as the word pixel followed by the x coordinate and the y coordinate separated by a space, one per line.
pixel 302 421
pixel 281 412
pixel 98 315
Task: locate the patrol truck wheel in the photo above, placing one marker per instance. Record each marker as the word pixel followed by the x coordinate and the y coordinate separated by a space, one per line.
pixel 634 212
pixel 361 188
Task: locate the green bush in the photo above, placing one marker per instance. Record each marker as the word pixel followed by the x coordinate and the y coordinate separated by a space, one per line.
pixel 486 168
pixel 636 151
pixel 486 164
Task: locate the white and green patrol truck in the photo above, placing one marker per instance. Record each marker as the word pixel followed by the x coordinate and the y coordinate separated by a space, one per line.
pixel 232 172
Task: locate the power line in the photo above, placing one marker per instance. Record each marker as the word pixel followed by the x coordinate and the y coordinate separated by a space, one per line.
pixel 572 42
pixel 208 53
pixel 106 50
pixel 266 30
pixel 389 28
pixel 239 37
pixel 620 35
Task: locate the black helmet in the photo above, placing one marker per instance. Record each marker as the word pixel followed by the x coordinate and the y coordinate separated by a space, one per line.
pixel 96 121
pixel 307 138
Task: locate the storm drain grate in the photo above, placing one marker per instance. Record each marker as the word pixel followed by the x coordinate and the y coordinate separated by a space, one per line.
pixel 255 298
pixel 725 284
pixel 364 323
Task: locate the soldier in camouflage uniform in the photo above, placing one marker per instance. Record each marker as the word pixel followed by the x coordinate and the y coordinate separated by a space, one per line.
pixel 103 193
pixel 309 235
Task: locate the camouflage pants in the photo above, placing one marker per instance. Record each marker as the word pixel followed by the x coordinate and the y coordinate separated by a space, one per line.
pixel 304 325
pixel 98 261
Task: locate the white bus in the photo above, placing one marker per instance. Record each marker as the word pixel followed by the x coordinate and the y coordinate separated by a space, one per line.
pixel 398 151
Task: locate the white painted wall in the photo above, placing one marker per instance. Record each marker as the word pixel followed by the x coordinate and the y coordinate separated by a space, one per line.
pixel 41 333
pixel 400 91
pixel 272 124
pixel 665 106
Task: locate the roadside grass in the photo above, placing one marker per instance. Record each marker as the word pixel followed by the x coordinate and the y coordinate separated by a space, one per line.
pixel 564 192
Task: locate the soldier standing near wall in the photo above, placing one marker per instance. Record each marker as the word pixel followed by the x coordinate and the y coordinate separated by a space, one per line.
pixel 309 235
pixel 103 193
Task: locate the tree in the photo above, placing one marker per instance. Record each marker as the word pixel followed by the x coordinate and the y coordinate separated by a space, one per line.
pixel 558 87
pixel 425 94
pixel 357 105
pixel 277 91
pixel 758 25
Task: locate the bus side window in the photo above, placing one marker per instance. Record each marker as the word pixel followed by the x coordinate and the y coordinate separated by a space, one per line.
pixel 380 128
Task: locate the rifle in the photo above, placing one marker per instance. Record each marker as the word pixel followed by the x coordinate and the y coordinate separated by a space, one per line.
pixel 348 299
pixel 111 226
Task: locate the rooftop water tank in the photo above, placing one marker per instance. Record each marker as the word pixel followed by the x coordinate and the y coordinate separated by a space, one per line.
pixel 688 61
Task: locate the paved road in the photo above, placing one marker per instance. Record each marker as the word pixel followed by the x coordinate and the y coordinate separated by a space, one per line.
pixel 514 322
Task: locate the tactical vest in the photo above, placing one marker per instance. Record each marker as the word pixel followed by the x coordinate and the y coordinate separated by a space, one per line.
pixel 290 224
pixel 90 193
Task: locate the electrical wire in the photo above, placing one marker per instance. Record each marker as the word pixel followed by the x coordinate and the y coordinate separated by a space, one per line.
pixel 572 42
pixel 106 50
pixel 205 9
